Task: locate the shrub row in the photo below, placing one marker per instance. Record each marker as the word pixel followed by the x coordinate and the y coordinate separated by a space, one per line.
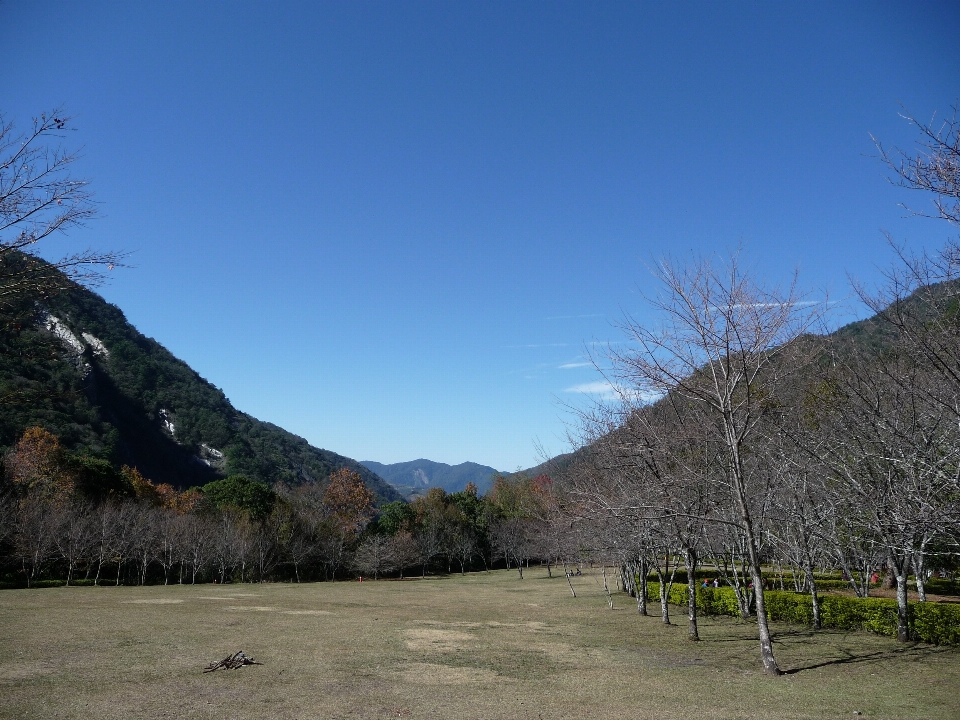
pixel 824 580
pixel 936 623
pixel 942 586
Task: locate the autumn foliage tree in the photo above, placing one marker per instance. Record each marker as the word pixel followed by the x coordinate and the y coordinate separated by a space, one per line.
pixel 36 465
pixel 348 500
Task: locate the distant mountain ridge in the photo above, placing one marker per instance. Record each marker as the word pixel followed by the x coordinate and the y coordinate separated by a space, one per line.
pixel 417 476
pixel 76 367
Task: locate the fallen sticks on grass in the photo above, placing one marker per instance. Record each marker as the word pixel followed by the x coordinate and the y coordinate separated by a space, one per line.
pixel 232 662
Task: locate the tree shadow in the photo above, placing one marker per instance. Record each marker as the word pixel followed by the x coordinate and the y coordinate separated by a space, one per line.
pixel 911 651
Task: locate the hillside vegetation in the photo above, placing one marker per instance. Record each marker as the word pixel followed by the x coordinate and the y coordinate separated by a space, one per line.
pixel 77 368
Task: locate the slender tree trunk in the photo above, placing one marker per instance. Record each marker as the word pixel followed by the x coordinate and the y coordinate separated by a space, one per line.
pixel 903 609
pixel 664 607
pixel 919 569
pixel 642 589
pixel 766 642
pixel 691 562
pixel 814 599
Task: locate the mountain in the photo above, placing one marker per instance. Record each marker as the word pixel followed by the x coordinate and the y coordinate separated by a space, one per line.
pixel 936 305
pixel 76 367
pixel 417 476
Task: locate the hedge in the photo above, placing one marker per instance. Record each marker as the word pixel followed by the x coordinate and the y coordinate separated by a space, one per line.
pixel 936 623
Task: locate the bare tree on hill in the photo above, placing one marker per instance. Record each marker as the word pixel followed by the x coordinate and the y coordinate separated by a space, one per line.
pixel 723 345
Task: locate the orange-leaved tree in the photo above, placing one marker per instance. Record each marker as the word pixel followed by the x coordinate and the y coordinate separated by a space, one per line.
pixel 348 502
pixel 36 465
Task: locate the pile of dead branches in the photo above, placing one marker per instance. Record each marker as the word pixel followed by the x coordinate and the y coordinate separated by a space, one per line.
pixel 231 662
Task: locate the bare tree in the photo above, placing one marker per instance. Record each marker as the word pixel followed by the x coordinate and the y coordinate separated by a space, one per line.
pixel 720 345
pixel 301 547
pixel 169 528
pixel 405 550
pixel 933 167
pixel 897 454
pixel 38 197
pixel 463 541
pixel 196 540
pixel 76 535
pixel 122 534
pixel 510 538
pixel 35 537
pixel 145 539
pixel 375 556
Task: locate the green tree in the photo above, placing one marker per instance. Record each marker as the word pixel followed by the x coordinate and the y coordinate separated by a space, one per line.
pixel 393 518
pixel 238 491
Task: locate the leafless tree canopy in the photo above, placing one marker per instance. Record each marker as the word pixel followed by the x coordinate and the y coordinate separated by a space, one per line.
pixel 934 166
pixel 38 197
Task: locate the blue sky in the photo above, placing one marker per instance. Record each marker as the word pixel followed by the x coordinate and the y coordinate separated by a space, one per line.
pixel 392 228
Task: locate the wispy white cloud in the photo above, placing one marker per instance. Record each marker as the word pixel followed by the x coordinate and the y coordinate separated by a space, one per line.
pixel 597 387
pixel 802 303
pixel 608 391
pixel 538 345
pixel 571 365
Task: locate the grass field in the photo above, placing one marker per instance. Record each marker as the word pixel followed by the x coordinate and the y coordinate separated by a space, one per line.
pixel 483 646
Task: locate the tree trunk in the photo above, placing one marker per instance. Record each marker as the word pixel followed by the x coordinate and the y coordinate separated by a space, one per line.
pixel 606 588
pixel 814 600
pixel 664 608
pixel 691 562
pixel 766 642
pixel 903 609
pixel 919 569
pixel 642 589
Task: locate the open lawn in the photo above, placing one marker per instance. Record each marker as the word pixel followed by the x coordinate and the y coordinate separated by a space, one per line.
pixel 481 646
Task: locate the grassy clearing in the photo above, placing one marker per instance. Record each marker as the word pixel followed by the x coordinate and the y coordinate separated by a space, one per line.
pixel 483 646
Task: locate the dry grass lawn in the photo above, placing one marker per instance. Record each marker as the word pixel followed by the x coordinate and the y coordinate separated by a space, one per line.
pixel 483 646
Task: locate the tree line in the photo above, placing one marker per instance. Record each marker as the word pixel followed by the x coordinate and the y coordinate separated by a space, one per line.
pixel 70 518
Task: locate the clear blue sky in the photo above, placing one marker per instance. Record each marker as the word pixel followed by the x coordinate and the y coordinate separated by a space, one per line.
pixel 392 227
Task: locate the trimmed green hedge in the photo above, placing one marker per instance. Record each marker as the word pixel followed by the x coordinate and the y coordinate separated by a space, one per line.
pixel 936 623
pixel 941 586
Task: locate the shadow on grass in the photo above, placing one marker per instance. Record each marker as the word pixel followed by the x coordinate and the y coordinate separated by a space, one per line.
pixel 901 652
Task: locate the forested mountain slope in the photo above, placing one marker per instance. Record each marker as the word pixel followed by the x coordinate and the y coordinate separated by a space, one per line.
pixel 417 476
pixel 76 367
